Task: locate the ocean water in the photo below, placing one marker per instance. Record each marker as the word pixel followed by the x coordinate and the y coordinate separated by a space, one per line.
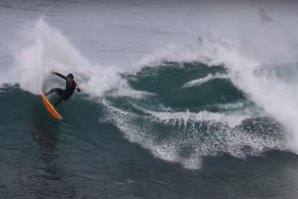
pixel 180 99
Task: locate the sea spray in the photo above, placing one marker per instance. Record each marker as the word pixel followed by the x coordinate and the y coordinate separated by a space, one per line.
pixel 46 50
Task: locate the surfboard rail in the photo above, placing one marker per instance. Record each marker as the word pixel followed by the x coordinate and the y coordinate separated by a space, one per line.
pixel 50 108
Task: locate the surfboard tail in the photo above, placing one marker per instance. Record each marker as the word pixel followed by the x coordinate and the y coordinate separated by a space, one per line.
pixel 50 108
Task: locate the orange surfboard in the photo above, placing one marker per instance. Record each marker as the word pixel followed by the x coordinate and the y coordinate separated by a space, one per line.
pixel 50 107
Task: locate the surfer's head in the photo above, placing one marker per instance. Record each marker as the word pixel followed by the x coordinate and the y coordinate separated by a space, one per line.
pixel 70 75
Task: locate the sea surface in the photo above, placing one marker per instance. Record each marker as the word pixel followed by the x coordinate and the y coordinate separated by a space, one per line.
pixel 180 99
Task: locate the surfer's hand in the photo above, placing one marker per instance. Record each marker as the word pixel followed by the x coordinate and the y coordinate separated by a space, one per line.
pixel 78 89
pixel 53 72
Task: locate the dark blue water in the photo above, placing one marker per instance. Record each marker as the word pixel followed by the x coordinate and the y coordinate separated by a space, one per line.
pixel 86 155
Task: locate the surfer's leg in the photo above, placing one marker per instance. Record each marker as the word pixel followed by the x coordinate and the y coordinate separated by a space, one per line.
pixel 58 102
pixel 59 91
pixel 50 91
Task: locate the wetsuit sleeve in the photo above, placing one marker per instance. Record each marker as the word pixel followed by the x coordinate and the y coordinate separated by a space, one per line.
pixel 58 74
pixel 78 88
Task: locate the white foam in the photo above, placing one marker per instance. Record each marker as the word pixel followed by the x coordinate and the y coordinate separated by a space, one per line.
pixel 180 118
pixel 209 141
pixel 123 89
pixel 272 94
pixel 231 106
pixel 242 108
pixel 140 133
pixel 200 81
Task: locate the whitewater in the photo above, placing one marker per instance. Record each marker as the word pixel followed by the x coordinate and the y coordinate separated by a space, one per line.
pixel 48 49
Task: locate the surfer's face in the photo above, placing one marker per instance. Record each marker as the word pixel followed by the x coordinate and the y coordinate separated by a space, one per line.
pixel 69 80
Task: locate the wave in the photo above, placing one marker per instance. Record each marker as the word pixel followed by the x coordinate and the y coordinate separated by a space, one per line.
pixel 195 122
pixel 255 79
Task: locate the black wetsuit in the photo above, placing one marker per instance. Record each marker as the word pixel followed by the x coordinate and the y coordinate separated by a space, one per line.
pixel 66 93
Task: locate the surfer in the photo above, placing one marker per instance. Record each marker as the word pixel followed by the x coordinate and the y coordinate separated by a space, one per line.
pixel 65 94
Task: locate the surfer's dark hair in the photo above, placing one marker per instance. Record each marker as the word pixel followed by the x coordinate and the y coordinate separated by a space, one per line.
pixel 70 75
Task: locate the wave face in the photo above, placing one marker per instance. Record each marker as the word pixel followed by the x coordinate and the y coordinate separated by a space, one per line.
pixel 180 104
pixel 184 124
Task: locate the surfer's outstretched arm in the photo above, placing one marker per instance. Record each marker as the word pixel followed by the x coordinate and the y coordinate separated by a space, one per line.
pixel 58 74
pixel 78 88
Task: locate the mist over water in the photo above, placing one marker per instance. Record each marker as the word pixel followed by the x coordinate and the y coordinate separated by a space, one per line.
pixel 180 81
